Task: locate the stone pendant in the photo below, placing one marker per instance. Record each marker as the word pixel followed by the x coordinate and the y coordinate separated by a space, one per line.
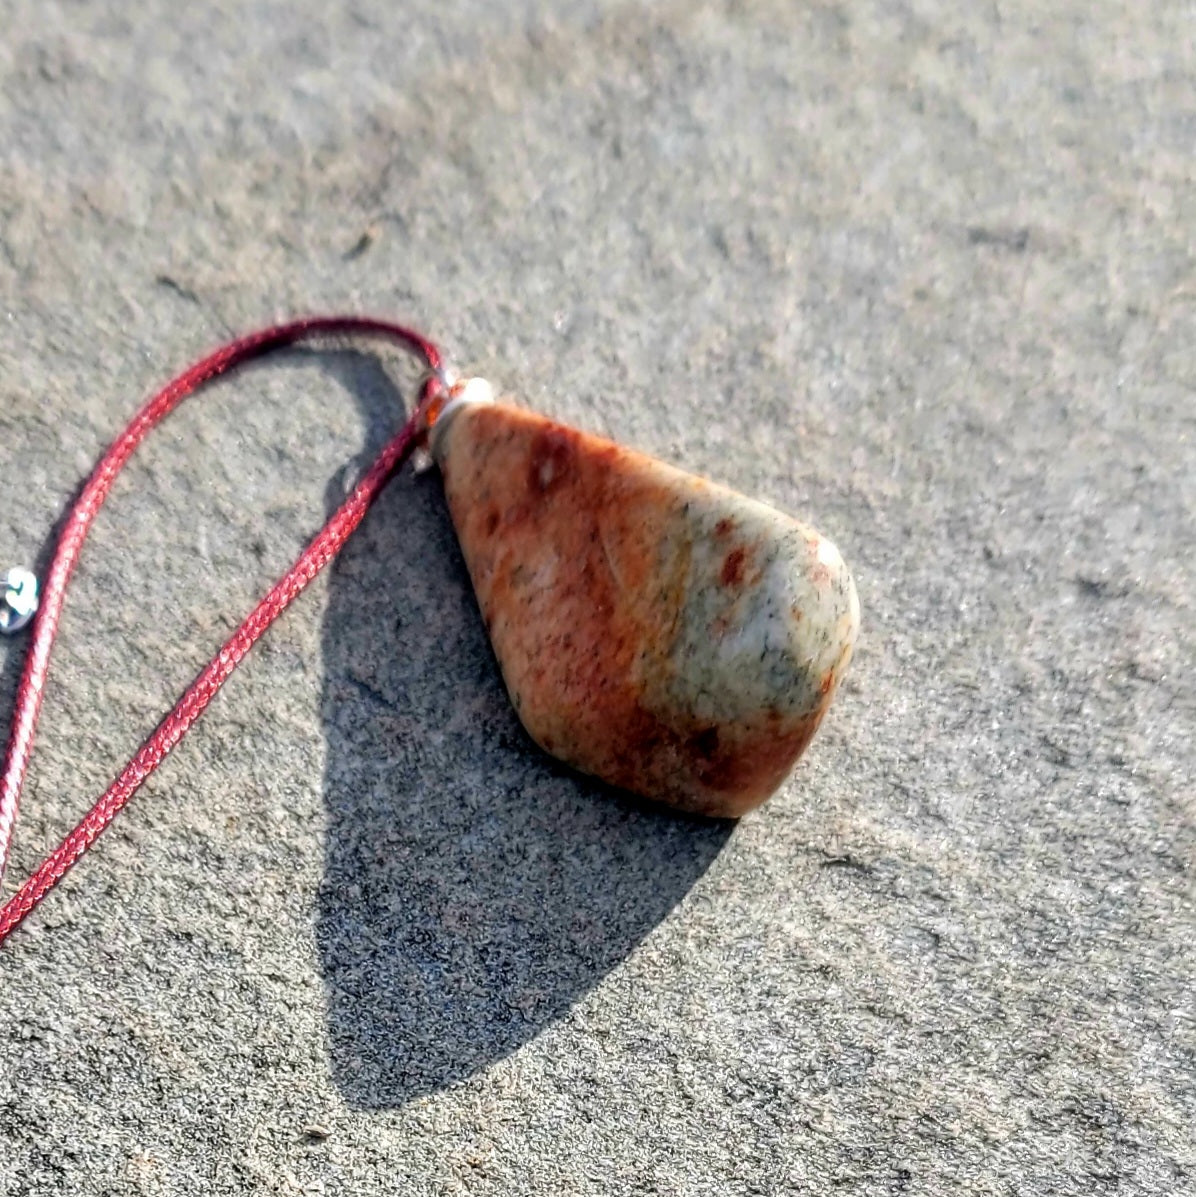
pixel 658 631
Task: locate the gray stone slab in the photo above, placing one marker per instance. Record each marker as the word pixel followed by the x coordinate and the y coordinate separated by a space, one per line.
pixel 920 273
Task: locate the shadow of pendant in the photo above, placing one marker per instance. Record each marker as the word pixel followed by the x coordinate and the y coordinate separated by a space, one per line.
pixel 474 888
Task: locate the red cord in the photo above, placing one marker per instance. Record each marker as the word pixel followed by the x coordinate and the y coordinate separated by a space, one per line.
pixel 189 708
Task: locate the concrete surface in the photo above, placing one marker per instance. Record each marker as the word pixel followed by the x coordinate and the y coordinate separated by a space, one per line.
pixel 920 272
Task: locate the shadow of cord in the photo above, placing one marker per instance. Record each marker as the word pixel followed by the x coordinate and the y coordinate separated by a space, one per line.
pixel 474 888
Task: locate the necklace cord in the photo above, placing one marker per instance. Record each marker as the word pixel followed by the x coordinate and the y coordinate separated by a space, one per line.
pixel 326 544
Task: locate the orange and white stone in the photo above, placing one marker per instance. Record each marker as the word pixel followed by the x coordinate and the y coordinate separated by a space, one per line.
pixel 658 631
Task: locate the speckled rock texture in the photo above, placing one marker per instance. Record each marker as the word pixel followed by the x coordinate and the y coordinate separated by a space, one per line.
pixel 920 272
pixel 662 633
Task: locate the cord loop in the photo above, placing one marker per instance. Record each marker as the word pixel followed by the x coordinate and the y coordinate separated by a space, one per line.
pixel 195 699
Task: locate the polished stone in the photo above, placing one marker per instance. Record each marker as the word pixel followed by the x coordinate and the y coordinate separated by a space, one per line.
pixel 663 633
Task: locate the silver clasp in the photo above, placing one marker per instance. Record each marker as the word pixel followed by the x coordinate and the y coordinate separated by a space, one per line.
pixel 18 600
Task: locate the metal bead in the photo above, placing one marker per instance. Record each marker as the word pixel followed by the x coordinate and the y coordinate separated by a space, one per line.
pixel 18 600
pixel 462 393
